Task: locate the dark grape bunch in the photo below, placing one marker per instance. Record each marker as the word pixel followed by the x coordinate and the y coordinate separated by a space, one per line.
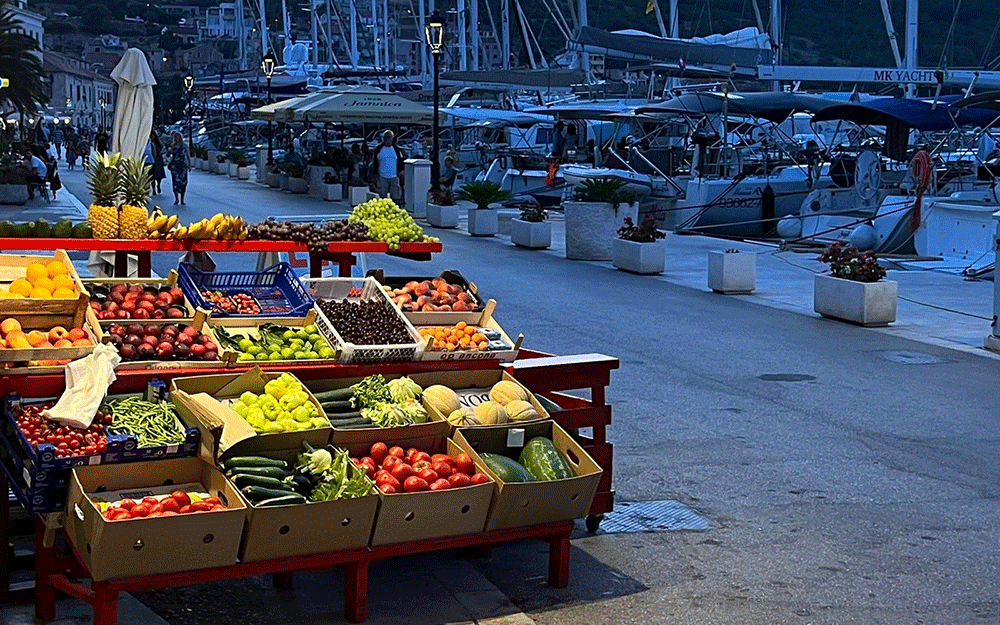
pixel 316 237
pixel 370 322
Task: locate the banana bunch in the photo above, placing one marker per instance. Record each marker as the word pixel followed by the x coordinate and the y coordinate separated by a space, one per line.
pixel 220 228
pixel 160 226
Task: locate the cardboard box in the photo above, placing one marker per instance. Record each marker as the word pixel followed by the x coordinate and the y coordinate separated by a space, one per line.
pixel 303 529
pixel 405 517
pixel 222 430
pixel 473 388
pixel 518 504
pixel 113 549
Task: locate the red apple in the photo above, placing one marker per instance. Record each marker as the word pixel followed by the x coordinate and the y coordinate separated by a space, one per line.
pixel 149 297
pixel 191 330
pixel 174 313
pixel 134 340
pixel 151 340
pixel 116 298
pixel 120 288
pixel 141 313
pixel 135 328
pixel 165 350
pixel 210 346
pixel 151 329
pixel 127 351
pixel 185 339
pixel 145 350
pixel 112 307
pixel 129 306
pixel 135 288
pixel 177 295
pixel 198 350
pixel 123 314
pixel 182 352
pixel 210 356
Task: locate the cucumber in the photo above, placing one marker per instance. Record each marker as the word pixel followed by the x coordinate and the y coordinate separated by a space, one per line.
pixel 344 416
pixel 361 425
pixel 335 395
pixel 541 458
pixel 506 469
pixel 337 406
pixel 359 421
pixel 284 500
pixel 257 493
pixel 241 480
pixel 549 405
pixel 253 461
pixel 274 472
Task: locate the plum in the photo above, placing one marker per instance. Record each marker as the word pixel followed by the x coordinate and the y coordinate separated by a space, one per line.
pixel 151 329
pixel 127 351
pixel 165 350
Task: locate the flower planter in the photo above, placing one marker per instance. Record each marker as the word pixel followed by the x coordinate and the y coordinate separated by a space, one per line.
pixel 442 216
pixel 298 185
pixel 223 168
pixel 13 194
pixel 535 235
pixel 203 162
pixel 483 222
pixel 283 181
pixel 505 218
pixel 333 192
pixel 273 179
pixel 316 175
pixel 592 226
pixel 234 170
pixel 863 303
pixel 243 173
pixel 642 258
pixel 213 163
pixel 732 273
pixel 357 195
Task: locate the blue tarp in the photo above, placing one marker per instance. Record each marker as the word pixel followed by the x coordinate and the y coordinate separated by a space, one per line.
pixel 917 114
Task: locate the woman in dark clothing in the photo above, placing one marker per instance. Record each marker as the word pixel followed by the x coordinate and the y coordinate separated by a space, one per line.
pixel 179 163
pixel 158 171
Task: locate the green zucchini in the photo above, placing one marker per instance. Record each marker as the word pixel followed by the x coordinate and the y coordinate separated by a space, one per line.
pixel 360 425
pixel 253 461
pixel 338 406
pixel 274 472
pixel 334 395
pixel 541 458
pixel 506 469
pixel 285 500
pixel 549 405
pixel 257 493
pixel 349 422
pixel 241 480
pixel 344 416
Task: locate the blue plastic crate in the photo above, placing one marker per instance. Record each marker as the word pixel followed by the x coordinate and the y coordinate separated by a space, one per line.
pixel 277 289
pixel 35 498
pixel 192 438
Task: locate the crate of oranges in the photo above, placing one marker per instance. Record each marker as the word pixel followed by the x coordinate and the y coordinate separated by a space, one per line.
pixel 462 341
pixel 42 285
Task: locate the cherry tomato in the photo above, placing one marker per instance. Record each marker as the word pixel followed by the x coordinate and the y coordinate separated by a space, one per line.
pixel 465 464
pixel 378 452
pixel 480 478
pixel 415 485
pixel 440 485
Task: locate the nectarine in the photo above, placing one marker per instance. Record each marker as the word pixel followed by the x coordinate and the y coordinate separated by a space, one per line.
pixel 76 334
pixel 82 343
pixel 58 333
pixel 18 340
pixel 37 337
pixel 63 343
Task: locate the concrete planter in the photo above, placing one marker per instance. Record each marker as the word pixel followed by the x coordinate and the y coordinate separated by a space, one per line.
pixel 195 162
pixel 203 162
pixel 243 173
pixel 642 258
pixel 233 170
pixel 298 185
pixel 283 181
pixel 370 195
pixel 273 179
pixel 316 175
pixel 213 163
pixel 863 303
pixel 357 195
pixel 592 226
pixel 333 192
pixel 530 234
pixel 13 194
pixel 505 218
pixel 442 216
pixel 483 222
pixel 732 273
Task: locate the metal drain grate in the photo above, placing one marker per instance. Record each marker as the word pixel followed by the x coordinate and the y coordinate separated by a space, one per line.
pixel 653 516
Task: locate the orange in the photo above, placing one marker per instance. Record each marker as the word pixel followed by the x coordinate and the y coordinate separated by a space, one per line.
pixel 470 330
pixel 63 281
pixel 45 283
pixel 461 325
pixel 34 271
pixel 20 287
pixel 40 293
pixel 64 293
pixel 56 268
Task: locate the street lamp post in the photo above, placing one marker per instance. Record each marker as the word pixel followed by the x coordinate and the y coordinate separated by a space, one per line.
pixel 104 106
pixel 188 86
pixel 435 39
pixel 267 65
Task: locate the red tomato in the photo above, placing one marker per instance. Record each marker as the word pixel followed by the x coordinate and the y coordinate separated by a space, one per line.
pixel 390 461
pixel 428 474
pixel 181 497
pixel 107 513
pixel 388 489
pixel 391 481
pixel 158 508
pixel 169 513
pixel 458 480
pixel 170 505
pixel 212 501
pixel 140 510
pixel 465 464
pixel 412 451
pixel 150 501
pixel 443 469
pixel 379 452
pixel 480 478
pixel 420 465
pixel 369 466
pixel 398 452
pixel 415 485
pixel 217 507
pixel 120 515
pixel 443 458
pixel 184 509
pixel 200 506
pixel 402 471
pixel 380 474
pixel 126 504
pixel 153 515
pixel 421 455
pixel 441 484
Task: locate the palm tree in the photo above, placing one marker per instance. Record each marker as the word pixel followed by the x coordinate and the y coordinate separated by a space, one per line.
pixel 20 63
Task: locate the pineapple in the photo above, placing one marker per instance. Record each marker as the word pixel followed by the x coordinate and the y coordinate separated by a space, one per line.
pixel 103 182
pixel 135 179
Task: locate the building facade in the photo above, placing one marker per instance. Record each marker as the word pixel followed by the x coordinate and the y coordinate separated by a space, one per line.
pixel 31 22
pixel 77 91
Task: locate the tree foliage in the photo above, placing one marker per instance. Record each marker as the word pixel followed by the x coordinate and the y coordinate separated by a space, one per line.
pixel 21 64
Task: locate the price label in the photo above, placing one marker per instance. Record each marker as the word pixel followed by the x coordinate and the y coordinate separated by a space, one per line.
pixel 515 438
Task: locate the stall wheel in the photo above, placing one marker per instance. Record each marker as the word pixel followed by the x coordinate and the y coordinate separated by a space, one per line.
pixel 594 522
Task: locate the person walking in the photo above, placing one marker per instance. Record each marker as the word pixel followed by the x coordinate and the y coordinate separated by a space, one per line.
pixel 180 161
pixel 101 141
pixel 159 172
pixel 83 149
pixel 57 139
pixel 558 140
pixel 388 164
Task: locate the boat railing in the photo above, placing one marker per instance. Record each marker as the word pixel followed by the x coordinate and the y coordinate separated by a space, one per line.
pixel 642 157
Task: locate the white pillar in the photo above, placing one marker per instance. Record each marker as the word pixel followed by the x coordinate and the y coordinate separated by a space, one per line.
pixel 910 58
pixel 993 340
pixel 418 184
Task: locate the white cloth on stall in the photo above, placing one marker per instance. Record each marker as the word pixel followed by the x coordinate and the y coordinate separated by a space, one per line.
pixel 87 382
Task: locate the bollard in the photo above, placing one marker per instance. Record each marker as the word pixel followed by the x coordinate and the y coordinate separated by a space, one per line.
pixel 418 183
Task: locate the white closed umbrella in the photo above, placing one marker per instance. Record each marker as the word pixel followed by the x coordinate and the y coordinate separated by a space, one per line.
pixel 134 113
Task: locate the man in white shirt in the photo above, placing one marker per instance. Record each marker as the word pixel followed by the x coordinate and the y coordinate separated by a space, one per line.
pixel 388 164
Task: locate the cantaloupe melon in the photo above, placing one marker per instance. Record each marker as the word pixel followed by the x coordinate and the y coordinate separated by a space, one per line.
pixel 491 413
pixel 504 392
pixel 441 398
pixel 463 417
pixel 519 410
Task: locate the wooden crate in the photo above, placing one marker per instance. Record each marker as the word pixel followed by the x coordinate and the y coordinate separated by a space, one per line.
pixel 247 326
pixel 46 322
pixel 484 320
pixel 12 267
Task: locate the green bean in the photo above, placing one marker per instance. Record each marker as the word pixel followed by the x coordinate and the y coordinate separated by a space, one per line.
pixel 152 424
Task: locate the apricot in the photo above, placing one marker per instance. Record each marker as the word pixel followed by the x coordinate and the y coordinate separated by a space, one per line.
pixel 37 337
pixel 9 325
pixel 61 343
pixel 82 343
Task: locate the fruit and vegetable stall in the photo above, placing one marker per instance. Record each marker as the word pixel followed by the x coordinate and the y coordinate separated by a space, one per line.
pixel 261 423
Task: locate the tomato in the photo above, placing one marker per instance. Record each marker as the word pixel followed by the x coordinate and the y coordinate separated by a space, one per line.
pixel 390 480
pixel 379 475
pixel 102 447
pixel 465 464
pixel 390 461
pixel 184 509
pixel 181 498
pixel 140 510
pixel 170 505
pixel 420 465
pixel 458 480
pixel 212 501
pixel 480 478
pixel 107 513
pixel 379 452
pixel 153 515
pixel 440 485
pixel 150 501
pixel 421 455
pixel 120 515
pixel 402 471
pixel 443 458
pixel 397 451
pixel 217 507
pixel 412 451
pixel 200 506
pixel 369 466
pixel 126 504
pixel 428 474
pixel 169 513
pixel 388 489
pixel 157 509
pixel 443 469
pixel 415 485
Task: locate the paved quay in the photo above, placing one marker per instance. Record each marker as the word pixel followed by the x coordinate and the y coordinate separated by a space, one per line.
pixel 844 482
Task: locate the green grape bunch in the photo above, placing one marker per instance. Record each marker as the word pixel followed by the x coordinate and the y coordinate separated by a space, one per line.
pixel 388 223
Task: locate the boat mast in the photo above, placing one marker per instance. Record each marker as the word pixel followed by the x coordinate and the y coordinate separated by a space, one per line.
pixel 314 33
pixel 265 45
pixel 474 24
pixel 776 38
pixel 386 60
pixel 460 18
pixel 912 8
pixel 581 13
pixel 505 32
pixel 421 24
pixel 287 26
pixel 375 37
pixel 241 34
pixel 891 31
